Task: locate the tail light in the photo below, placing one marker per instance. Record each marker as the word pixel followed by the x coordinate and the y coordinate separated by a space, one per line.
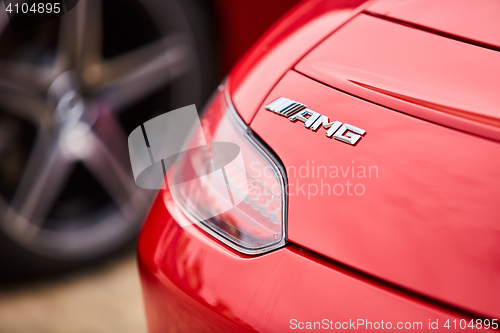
pixel 232 187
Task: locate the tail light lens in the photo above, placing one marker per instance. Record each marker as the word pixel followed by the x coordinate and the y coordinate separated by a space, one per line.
pixel 232 187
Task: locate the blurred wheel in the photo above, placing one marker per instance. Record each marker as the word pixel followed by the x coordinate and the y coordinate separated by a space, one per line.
pixel 70 92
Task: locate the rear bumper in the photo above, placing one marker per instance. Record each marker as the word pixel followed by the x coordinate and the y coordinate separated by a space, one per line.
pixel 192 283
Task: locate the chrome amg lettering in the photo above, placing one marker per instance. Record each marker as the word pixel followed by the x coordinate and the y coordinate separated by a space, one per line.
pixel 313 120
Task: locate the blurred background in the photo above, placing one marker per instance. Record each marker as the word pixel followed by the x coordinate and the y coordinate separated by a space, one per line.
pixel 71 90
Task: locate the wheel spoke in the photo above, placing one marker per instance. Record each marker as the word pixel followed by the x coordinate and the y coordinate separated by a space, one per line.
pixel 35 78
pixel 130 77
pixel 44 177
pixel 23 85
pixel 113 176
pixel 21 102
pixel 89 31
pixel 67 43
pixel 110 132
pixel 80 37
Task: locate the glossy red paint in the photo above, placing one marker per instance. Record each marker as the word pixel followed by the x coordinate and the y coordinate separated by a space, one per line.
pixel 420 243
pixel 192 283
pixel 422 74
pixel 428 219
pixel 476 21
pixel 280 49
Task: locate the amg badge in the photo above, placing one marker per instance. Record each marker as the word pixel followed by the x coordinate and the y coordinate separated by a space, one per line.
pixel 313 120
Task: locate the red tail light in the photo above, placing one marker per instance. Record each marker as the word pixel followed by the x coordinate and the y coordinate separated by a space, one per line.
pixel 233 188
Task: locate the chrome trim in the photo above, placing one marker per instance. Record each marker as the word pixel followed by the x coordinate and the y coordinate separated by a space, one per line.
pixel 285 106
pixel 352 136
pixel 234 116
pixel 297 111
pixel 334 126
pixel 274 104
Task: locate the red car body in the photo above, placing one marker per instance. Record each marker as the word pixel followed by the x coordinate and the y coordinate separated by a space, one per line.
pixel 420 243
